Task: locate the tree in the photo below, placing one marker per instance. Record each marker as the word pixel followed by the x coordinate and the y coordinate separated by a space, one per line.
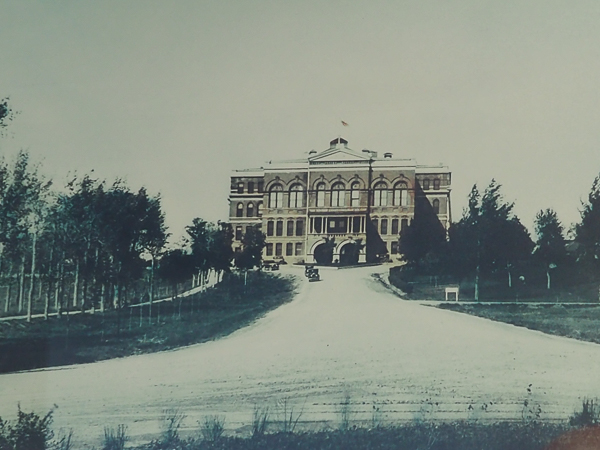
pixel 587 232
pixel 220 248
pixel 423 242
pixel 550 243
pixel 7 114
pixel 250 256
pixel 488 238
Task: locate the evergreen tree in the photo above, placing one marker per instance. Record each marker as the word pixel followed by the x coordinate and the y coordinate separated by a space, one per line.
pixel 587 232
pixel 550 245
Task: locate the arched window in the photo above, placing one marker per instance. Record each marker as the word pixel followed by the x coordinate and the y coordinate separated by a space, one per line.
pixel 296 196
pixel 321 194
pixel 355 194
pixel 276 196
pixel 338 195
pixel 260 208
pixel 250 210
pixel 436 206
pixel 381 194
pixel 239 210
pixel 400 194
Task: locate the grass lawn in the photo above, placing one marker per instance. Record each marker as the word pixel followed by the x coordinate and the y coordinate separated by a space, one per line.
pixel 85 338
pixel 575 321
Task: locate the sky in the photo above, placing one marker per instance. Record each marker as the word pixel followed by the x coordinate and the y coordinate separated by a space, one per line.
pixel 174 95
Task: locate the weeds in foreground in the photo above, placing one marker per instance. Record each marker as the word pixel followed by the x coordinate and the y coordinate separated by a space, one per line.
pixel 289 416
pixel 212 428
pixel 589 414
pixel 115 438
pixel 345 413
pixel 30 432
pixel 172 420
pixel 260 420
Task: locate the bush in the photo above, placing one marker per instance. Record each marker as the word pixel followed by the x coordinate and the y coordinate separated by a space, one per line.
pixel 30 432
pixel 115 439
pixel 589 414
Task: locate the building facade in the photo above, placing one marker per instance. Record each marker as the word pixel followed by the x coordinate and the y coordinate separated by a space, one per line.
pixel 336 206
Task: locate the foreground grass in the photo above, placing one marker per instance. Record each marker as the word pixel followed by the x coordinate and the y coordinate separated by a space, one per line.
pixel 85 338
pixel 574 321
pixel 413 436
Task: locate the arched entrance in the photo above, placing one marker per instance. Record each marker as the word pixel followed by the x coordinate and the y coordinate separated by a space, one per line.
pixel 323 254
pixel 349 254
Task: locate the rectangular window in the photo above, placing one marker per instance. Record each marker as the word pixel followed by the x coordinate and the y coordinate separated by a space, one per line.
pixel 355 197
pixel 290 228
pixel 238 233
pixel 300 227
pixel 250 187
pixel 403 225
pixel 318 225
pixel 426 184
pixel 279 228
pixel 270 226
pixel 436 184
pixel 248 228
pixel 240 188
pixel 376 224
pixel 394 247
pixel 395 226
pixel 339 225
pixel 298 248
pixel 269 249
pixel 338 197
pixel 356 224
pixel 320 198
pixel 279 249
pixel 260 186
pixel 289 249
pixel 384 226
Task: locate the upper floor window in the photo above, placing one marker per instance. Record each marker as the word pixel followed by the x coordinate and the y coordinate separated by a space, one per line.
pixel 239 212
pixel 338 195
pixel 355 194
pixel 238 233
pixel 436 206
pixel 380 194
pixel 250 187
pixel 436 184
pixel 250 210
pixel 426 184
pixel 321 194
pixel 270 227
pixel 299 227
pixel 400 195
pixel 260 209
pixel 240 188
pixel 290 227
pixel 403 225
pixel 296 196
pixel 395 223
pixel 260 186
pixel 279 228
pixel 276 196
pixel 384 226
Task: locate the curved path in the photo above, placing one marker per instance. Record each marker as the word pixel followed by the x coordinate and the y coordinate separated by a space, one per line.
pixel 343 337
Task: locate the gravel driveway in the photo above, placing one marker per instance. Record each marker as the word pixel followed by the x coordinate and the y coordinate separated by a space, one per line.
pixel 345 338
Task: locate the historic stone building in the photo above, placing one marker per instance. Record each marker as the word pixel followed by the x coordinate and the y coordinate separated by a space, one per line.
pixel 336 206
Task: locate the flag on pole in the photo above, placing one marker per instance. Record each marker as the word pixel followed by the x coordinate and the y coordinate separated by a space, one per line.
pixel 344 123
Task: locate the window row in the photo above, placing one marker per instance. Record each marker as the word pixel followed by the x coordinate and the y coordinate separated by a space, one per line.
pixel 337 197
pixel 239 210
pixel 239 231
pixel 291 249
pixel 293 227
pixel 252 187
pixel 383 226
pixel 337 225
pixel 427 184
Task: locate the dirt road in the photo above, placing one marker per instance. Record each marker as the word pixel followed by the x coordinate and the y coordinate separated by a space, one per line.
pixel 342 337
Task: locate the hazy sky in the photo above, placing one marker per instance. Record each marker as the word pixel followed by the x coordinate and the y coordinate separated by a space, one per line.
pixel 174 95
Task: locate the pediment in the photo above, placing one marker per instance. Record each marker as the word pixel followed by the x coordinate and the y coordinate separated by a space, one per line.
pixel 338 155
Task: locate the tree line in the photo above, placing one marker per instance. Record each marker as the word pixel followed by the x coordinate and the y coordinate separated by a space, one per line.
pixel 94 245
pixel 490 242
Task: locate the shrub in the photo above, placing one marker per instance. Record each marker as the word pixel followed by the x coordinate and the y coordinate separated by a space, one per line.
pixel 115 439
pixel 30 432
pixel 260 420
pixel 213 428
pixel 589 414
